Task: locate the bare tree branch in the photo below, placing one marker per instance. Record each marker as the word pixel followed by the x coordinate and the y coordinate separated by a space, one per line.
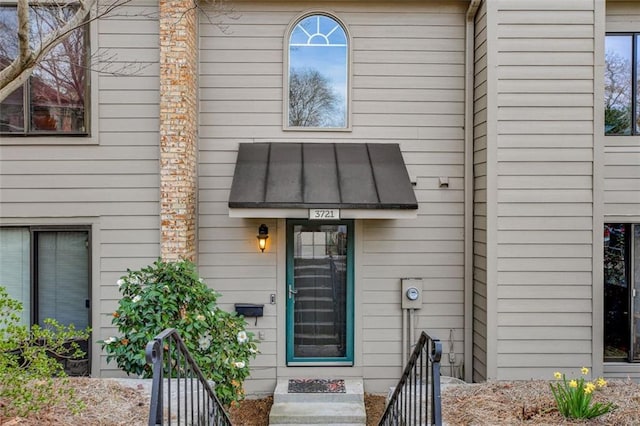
pixel 312 102
pixel 20 69
pixel 13 76
pixel 33 52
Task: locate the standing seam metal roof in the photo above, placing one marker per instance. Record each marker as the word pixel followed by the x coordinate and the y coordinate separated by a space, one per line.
pixel 321 175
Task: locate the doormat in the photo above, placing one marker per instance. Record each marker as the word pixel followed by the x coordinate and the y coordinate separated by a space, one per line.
pixel 316 386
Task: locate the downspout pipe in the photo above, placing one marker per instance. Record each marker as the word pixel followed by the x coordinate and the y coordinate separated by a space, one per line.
pixel 468 187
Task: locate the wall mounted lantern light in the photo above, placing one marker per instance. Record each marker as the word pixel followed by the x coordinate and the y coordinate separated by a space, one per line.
pixel 263 234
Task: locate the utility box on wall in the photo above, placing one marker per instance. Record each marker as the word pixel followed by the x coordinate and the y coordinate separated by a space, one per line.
pixel 250 310
pixel 411 293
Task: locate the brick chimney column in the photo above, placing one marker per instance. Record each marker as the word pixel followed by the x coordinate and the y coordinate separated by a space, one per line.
pixel 178 129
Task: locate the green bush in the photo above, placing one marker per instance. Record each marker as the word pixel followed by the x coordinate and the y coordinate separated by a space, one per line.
pixel 171 295
pixel 31 379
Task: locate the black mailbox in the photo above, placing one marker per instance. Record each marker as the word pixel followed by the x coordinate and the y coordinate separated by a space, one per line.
pixel 250 310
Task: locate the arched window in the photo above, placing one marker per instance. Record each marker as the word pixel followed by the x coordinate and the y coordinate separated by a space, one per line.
pixel 318 74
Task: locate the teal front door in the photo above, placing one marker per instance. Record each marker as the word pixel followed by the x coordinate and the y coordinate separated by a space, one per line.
pixel 319 292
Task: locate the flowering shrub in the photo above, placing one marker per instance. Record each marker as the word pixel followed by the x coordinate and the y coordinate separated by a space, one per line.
pixel 573 397
pixel 171 295
pixel 31 379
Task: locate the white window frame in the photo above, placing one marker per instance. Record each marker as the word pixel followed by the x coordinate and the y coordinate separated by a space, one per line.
pixel 285 74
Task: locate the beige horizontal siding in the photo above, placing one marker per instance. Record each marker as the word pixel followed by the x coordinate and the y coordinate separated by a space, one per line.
pixel 622 371
pixel 128 130
pixel 621 165
pixel 480 184
pixel 114 181
pixel 622 16
pixel 407 87
pixel 622 177
pixel 544 156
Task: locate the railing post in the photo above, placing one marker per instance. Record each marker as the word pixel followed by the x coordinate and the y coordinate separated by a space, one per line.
pixel 154 357
pixel 436 397
pixel 181 367
pixel 406 403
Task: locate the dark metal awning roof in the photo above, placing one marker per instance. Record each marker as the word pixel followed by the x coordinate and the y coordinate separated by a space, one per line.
pixel 321 175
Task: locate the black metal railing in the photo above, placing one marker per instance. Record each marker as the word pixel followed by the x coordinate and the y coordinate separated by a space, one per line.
pixel 180 394
pixel 416 399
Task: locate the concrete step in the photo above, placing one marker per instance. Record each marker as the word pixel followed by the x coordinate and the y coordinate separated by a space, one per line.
pixel 319 408
pixel 318 413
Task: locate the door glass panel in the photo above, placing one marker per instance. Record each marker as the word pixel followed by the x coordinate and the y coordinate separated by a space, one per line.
pixel 636 292
pixel 63 277
pixel 320 282
pixel 616 293
pixel 14 267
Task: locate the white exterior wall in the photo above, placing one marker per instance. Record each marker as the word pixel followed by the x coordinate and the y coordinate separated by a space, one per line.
pixel 621 164
pixel 108 180
pixel 407 87
pixel 480 198
pixel 543 223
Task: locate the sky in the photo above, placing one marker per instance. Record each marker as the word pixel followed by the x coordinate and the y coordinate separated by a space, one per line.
pixel 619 44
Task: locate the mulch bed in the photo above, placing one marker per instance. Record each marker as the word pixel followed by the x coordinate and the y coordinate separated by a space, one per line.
pixel 108 403
pixel 532 403
pixel 251 412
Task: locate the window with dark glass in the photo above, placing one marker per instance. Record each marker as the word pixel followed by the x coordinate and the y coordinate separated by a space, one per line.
pixel 622 292
pixel 621 97
pixel 47 270
pixel 54 99
pixel 318 74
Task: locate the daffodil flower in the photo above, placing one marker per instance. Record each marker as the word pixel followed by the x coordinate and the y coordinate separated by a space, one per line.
pixel 573 398
pixel 242 337
pixel 110 340
pixel 120 282
pixel 136 299
pixel 589 387
pixel 239 364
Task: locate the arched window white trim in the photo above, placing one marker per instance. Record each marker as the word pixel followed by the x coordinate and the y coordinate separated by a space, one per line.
pixel 317 89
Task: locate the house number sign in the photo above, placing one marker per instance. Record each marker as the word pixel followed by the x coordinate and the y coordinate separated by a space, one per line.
pixel 324 214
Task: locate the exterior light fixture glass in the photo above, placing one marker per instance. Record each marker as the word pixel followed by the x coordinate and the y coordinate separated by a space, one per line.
pixel 263 234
